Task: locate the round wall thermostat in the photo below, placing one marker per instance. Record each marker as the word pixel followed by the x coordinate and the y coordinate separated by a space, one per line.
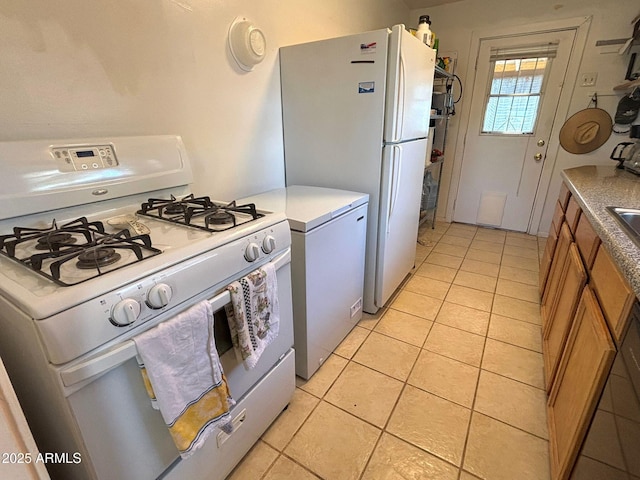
pixel 247 43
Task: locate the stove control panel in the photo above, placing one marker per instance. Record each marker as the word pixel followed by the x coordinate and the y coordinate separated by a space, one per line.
pixel 85 157
pixel 260 245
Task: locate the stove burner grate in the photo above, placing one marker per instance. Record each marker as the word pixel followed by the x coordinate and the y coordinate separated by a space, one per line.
pixel 216 217
pixel 99 250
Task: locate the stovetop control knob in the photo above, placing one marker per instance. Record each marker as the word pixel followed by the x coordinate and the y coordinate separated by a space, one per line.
pixel 159 295
pixel 268 244
pixel 252 252
pixel 125 312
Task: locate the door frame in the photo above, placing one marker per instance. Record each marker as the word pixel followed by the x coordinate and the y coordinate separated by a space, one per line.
pixel 581 26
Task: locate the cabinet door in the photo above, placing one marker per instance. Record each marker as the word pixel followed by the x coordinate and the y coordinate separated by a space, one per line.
pixel 613 292
pixel 564 196
pixel 573 280
pixel 572 215
pixel 552 287
pixel 547 258
pixel 587 240
pixel 583 369
pixel 558 218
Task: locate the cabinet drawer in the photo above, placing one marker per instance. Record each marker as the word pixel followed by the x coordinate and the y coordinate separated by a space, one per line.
pixel 613 292
pixel 563 198
pixel 547 257
pixel 587 241
pixel 583 369
pixel 572 215
pixel 558 218
pixel 572 282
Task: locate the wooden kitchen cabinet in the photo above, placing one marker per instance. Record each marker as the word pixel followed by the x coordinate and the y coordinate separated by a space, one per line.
pixel 558 218
pixel 554 231
pixel 572 214
pixel 547 258
pixel 584 365
pixel 564 196
pixel 552 287
pixel 558 325
pixel 587 240
pixel 613 292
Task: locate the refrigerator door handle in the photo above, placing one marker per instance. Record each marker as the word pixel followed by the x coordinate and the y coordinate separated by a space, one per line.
pixel 400 99
pixel 396 165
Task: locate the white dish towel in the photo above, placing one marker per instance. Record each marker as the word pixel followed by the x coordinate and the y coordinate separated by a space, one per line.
pixel 254 313
pixel 181 363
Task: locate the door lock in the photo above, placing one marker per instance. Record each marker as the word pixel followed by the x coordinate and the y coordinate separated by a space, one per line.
pixel 537 157
pixel 541 143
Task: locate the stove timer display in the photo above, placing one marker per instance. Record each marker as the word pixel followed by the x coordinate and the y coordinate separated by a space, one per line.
pixel 85 157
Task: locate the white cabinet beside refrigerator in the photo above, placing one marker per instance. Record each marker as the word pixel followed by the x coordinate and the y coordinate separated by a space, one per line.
pixel 328 234
pixel 356 117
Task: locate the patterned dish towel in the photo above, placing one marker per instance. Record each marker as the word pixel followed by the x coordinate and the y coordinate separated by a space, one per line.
pixel 254 314
pixel 182 373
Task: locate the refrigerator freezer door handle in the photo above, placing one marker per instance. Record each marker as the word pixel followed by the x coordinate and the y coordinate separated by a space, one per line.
pixel 396 165
pixel 400 100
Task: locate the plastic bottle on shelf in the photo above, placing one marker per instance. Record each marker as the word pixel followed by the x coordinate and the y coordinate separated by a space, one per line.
pixel 424 32
pixel 429 192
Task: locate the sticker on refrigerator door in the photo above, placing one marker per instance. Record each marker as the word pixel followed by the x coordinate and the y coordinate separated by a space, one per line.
pixel 366 87
pixel 368 47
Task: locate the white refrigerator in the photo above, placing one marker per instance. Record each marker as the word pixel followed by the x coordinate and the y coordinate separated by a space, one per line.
pixel 356 117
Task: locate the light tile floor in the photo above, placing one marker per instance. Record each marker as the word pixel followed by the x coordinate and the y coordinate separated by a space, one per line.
pixel 443 383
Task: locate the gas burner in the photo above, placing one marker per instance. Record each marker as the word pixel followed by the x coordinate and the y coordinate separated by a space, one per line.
pixel 55 240
pixel 175 208
pixel 97 257
pixel 220 217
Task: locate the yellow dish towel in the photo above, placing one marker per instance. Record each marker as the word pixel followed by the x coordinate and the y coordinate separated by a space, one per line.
pixel 182 373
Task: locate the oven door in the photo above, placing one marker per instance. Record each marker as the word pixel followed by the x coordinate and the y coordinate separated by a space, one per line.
pixel 125 438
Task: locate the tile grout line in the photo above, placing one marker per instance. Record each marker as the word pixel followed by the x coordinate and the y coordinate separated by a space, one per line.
pixel 405 383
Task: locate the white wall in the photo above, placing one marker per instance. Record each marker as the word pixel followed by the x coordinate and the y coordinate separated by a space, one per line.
pixel 77 68
pixel 454 24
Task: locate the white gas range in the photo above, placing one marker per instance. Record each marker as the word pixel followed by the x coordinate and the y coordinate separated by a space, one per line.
pixel 94 250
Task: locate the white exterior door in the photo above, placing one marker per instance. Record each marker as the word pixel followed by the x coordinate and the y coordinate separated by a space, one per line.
pixel 502 163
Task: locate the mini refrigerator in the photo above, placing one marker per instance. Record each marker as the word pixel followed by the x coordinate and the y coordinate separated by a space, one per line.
pixel 328 240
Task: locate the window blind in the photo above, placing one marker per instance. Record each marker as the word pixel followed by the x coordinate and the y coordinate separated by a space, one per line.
pixel 546 50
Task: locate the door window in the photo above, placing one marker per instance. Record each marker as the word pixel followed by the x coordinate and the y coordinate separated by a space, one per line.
pixel 515 89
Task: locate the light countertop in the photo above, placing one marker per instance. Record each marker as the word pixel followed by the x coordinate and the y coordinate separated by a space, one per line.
pixel 597 187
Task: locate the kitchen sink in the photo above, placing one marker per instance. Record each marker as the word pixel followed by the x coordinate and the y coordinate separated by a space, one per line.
pixel 629 219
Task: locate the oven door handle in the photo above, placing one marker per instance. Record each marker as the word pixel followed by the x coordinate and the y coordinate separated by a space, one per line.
pixel 127 350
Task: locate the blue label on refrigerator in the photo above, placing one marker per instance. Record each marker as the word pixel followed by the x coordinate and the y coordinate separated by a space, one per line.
pixel 366 87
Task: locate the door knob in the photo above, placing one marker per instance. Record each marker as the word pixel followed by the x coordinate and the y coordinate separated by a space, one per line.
pixel 541 143
pixel 537 157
